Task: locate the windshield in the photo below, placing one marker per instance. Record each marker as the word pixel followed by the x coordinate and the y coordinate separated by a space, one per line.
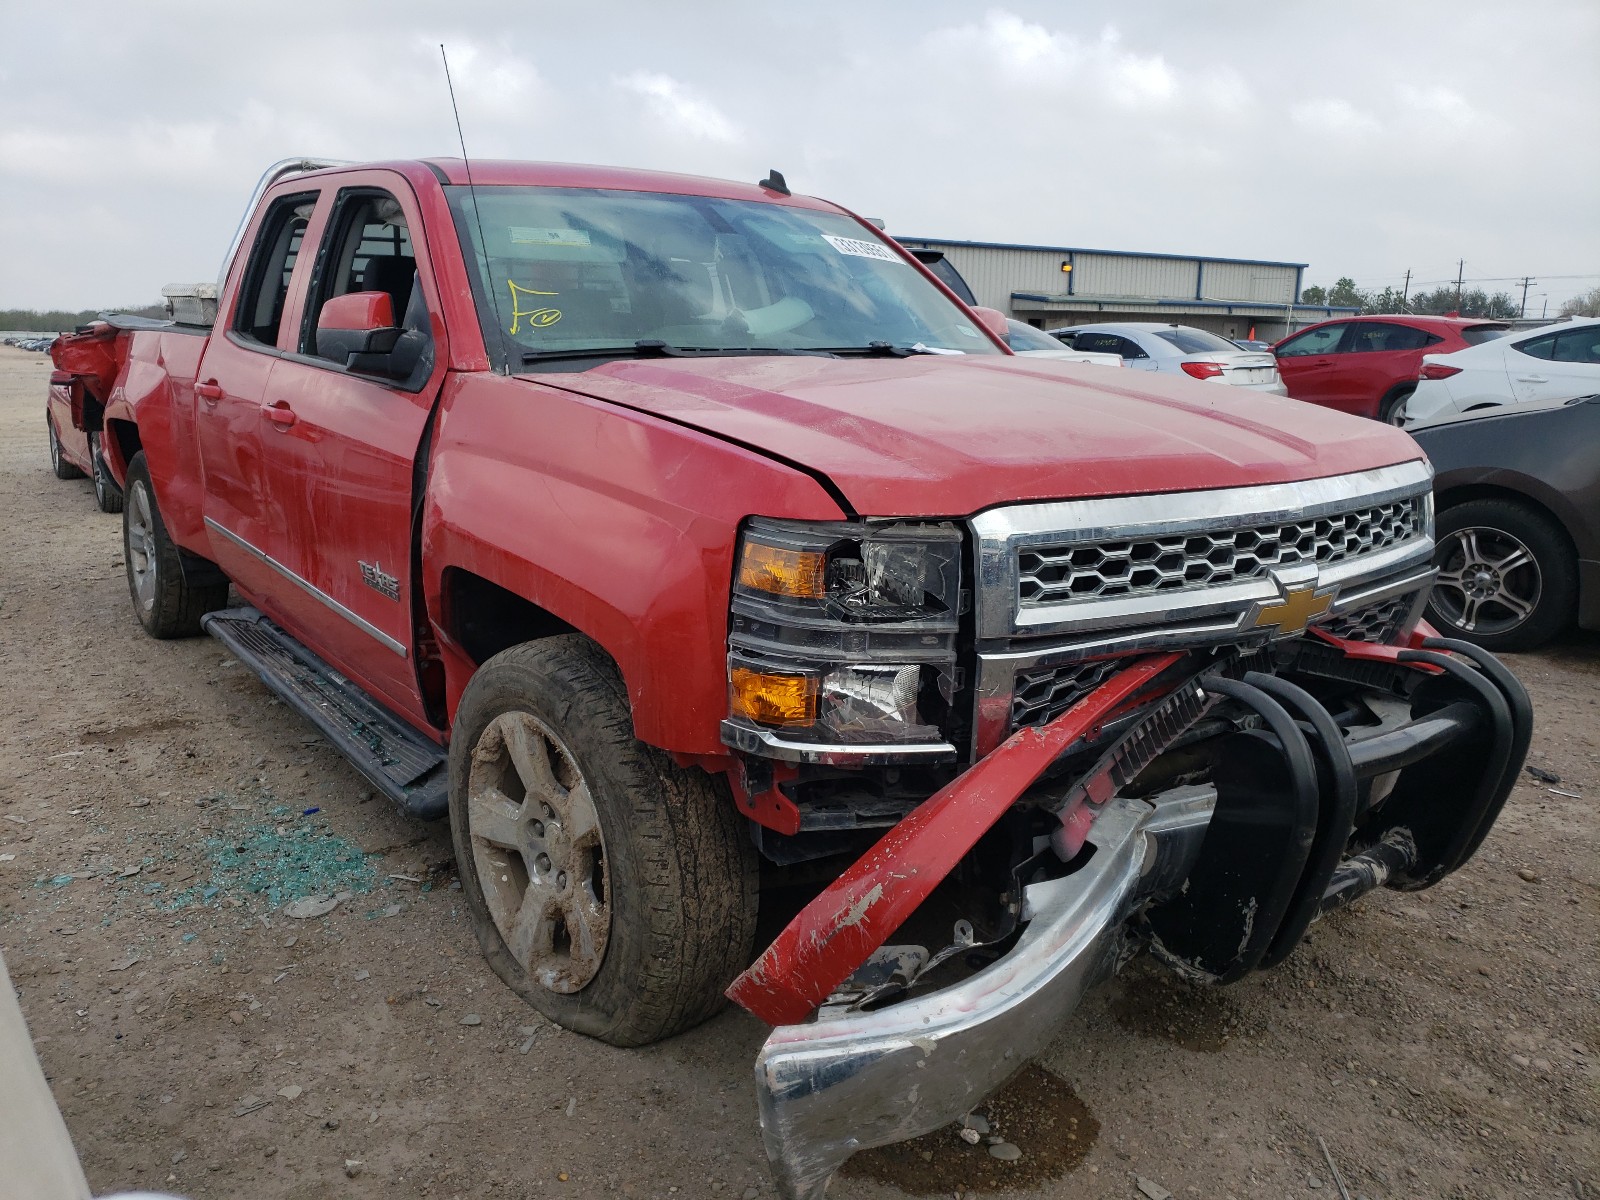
pixel 1195 341
pixel 565 270
pixel 1026 337
pixel 1476 335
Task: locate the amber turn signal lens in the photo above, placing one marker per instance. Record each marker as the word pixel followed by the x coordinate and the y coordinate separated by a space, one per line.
pixel 797 573
pixel 772 699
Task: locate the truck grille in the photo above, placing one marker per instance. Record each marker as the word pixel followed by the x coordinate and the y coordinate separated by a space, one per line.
pixel 1051 574
pixel 1044 694
pixel 1375 623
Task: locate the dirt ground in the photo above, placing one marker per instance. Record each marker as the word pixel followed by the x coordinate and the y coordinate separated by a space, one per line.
pixel 201 1041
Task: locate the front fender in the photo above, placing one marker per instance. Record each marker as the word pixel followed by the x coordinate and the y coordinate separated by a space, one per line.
pixel 621 524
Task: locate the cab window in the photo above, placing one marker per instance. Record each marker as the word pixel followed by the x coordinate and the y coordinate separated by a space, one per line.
pixel 266 281
pixel 369 249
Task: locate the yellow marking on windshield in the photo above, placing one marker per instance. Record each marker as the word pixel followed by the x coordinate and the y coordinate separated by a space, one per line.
pixel 538 318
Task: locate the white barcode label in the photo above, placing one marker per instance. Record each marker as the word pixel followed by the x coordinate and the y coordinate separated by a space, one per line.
pixel 861 249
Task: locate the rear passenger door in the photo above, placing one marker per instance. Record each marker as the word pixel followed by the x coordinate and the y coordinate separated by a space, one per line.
pixel 1307 362
pixel 342 443
pixel 1376 356
pixel 235 372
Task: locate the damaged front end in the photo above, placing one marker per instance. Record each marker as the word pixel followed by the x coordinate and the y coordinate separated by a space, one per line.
pixel 1217 757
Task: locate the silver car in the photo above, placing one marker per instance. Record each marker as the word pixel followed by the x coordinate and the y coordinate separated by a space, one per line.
pixel 1153 346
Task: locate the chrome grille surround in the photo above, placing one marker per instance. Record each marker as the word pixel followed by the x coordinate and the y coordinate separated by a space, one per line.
pixel 1075 570
pixel 1024 647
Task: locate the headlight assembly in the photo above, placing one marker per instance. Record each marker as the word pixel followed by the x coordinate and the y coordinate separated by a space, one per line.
pixel 844 632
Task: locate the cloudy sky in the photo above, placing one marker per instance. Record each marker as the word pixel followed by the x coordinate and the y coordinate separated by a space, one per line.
pixel 1362 138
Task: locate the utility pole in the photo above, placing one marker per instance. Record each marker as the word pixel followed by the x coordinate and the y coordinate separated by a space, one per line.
pixel 1526 281
pixel 1405 291
pixel 1461 270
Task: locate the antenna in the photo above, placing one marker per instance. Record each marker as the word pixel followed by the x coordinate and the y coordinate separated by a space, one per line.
pixel 477 213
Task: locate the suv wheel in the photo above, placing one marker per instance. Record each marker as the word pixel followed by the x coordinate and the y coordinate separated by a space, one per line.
pixel 106 492
pixel 167 605
pixel 62 468
pixel 1393 409
pixel 610 888
pixel 1508 577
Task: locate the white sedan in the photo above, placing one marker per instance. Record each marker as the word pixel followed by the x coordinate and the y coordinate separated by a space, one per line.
pixel 1153 346
pixel 1036 343
pixel 1553 363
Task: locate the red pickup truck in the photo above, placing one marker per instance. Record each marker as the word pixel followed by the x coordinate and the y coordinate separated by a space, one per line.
pixel 679 538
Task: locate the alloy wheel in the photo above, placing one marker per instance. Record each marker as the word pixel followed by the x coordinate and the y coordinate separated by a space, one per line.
pixel 1488 583
pixel 141 545
pixel 539 852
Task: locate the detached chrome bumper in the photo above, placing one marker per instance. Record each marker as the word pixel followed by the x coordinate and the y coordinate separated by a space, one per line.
pixel 848 1083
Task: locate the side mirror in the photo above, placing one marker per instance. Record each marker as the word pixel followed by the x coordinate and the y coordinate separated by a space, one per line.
pixel 994 321
pixel 357 330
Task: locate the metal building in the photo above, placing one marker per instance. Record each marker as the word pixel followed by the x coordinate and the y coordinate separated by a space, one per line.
pixel 1051 286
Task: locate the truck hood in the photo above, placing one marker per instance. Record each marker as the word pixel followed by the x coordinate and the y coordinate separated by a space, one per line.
pixel 939 435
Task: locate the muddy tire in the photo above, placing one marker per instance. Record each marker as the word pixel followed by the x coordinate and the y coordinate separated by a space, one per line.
pixel 107 495
pixel 610 888
pixel 167 605
pixel 58 464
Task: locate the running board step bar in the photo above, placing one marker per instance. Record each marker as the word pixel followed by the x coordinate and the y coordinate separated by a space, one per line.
pixel 400 762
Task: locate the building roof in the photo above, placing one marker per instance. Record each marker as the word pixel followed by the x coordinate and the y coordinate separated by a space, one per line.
pixel 1212 258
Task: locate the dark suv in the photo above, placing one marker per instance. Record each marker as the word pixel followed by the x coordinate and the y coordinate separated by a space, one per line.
pixel 1369 365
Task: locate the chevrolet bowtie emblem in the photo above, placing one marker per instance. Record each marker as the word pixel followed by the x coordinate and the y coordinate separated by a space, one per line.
pixel 1294 613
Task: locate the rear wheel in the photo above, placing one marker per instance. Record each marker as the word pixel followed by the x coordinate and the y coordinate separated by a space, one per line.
pixel 167 604
pixel 62 468
pixel 1393 409
pixel 106 492
pixel 1508 576
pixel 610 888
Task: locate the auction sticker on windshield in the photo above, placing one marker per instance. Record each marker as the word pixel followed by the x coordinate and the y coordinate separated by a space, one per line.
pixel 860 248
pixel 522 235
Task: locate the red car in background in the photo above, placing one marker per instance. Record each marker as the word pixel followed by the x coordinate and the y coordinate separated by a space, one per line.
pixel 75 453
pixel 1369 365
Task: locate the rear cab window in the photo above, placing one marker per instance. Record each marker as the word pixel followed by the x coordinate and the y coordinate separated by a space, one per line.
pixel 264 295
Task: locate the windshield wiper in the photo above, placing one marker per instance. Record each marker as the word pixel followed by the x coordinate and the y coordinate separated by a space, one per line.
pixel 883 350
pixel 655 348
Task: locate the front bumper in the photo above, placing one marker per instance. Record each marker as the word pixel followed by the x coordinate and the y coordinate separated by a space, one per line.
pixel 1302 816
pixel 868 1079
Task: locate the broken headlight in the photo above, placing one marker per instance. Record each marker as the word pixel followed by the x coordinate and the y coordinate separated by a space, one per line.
pixel 844 632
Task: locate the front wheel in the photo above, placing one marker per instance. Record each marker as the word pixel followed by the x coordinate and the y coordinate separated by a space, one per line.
pixel 1508 576
pixel 167 604
pixel 107 495
pixel 610 888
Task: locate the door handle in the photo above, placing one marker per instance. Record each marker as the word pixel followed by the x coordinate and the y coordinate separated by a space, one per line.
pixel 1533 379
pixel 210 391
pixel 280 414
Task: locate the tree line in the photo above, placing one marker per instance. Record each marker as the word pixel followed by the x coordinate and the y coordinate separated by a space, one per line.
pixel 1472 302
pixel 59 320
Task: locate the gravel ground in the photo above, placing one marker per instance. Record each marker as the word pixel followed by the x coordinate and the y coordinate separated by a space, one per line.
pixel 200 1040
